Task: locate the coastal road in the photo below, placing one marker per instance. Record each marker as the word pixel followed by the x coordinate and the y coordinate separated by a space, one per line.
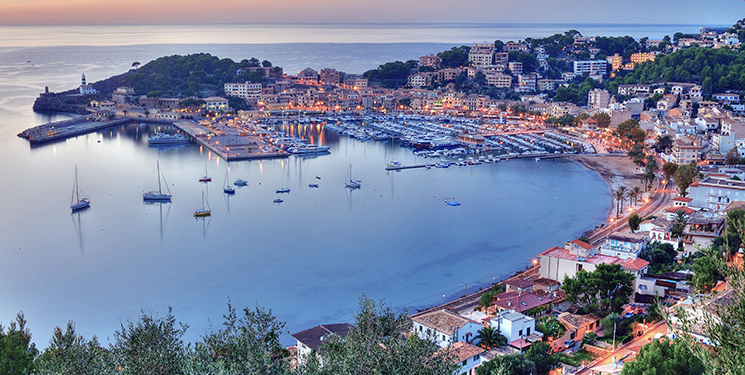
pixel 660 199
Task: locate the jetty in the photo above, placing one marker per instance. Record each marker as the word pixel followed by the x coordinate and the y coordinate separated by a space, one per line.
pixel 399 167
pixel 59 130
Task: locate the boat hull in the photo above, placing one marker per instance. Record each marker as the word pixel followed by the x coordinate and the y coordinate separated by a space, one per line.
pixel 82 205
pixel 156 197
pixel 202 213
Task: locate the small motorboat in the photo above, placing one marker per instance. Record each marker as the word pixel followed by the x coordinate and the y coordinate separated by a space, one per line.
pixel 453 203
pixel 283 190
pixel 240 182
pixel 313 185
pixel 278 200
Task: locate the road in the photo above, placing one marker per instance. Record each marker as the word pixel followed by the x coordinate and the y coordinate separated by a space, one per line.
pixel 628 349
pixel 661 197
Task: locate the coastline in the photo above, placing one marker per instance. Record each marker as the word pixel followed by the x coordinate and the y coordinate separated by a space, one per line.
pixel 616 170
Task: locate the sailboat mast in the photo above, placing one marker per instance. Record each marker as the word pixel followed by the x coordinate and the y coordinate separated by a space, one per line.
pixel 75 197
pixel 159 188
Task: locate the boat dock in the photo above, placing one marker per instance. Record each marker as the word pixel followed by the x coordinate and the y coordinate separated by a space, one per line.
pixel 55 131
pixel 229 144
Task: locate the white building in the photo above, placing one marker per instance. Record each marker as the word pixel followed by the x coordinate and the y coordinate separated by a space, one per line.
pixel 444 327
pixel 467 356
pixel 481 54
pixel 311 339
pixel 216 103
pixel 245 90
pixel 515 326
pixel 526 82
pixel 715 193
pixel 623 245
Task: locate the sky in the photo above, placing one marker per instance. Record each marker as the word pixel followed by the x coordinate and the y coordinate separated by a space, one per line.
pixel 83 12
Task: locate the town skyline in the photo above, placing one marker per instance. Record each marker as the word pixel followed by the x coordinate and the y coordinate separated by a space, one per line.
pixel 86 12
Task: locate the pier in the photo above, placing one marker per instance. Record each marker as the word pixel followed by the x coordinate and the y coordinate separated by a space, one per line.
pixel 400 167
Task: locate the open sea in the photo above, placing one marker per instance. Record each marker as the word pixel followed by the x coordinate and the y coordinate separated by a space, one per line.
pixel 308 258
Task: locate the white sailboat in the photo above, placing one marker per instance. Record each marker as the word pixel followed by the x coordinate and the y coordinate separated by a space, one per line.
pixel 206 177
pixel 78 204
pixel 205 210
pixel 158 196
pixel 351 183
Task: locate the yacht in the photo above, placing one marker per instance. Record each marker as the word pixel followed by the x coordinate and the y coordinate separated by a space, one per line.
pixel 167 139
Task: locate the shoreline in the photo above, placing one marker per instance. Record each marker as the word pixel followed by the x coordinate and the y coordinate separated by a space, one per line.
pixel 615 170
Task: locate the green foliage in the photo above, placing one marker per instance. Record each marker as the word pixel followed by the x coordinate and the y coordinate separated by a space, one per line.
pixel 513 364
pixel 181 76
pixel 575 93
pixel 557 45
pixel 679 224
pixel 735 230
pixel 549 326
pixel 664 357
pixel 684 176
pixel 716 70
pixel 391 75
pixel 247 344
pixel 454 57
pixel 624 45
pixel 70 354
pixel 634 221
pixel 661 256
pixel 489 337
pixel 237 103
pixel 528 59
pixel 540 353
pixel 732 157
pixel 378 344
pixel 17 352
pixel 669 169
pixel 707 271
pixel 151 345
pixel 188 102
pixel 602 118
pixel 606 289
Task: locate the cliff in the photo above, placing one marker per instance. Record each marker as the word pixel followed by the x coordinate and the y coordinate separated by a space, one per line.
pixel 71 100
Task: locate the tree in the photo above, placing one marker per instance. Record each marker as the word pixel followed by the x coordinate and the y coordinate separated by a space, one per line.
pixel 454 57
pixel 620 195
pixel 685 175
pixel 602 118
pixel 664 143
pixel 17 352
pixel 634 221
pixel 669 169
pixel 606 289
pixel 664 357
pixel 637 154
pixel 70 354
pixel 379 344
pixel 151 345
pixel 660 256
pixel 512 364
pixel 549 326
pixel 732 157
pixel 719 323
pixel 540 353
pixel 679 224
pixel 247 344
pixel 706 271
pixel 637 191
pixel 490 337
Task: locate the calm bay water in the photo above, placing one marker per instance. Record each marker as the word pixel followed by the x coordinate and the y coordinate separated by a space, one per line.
pixel 308 258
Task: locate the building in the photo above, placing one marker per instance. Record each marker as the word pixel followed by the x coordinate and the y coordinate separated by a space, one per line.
pixel 467 355
pixel 444 328
pixel 515 326
pixel 615 61
pixel 701 229
pixel 558 263
pixel 640 57
pixel 420 80
pixel 526 82
pixel 515 67
pixel 216 103
pixel 123 95
pixel 727 98
pixel 686 150
pixel 481 54
pixel 516 47
pixel 598 99
pixel 623 245
pixel 331 77
pixel 432 61
pixel 546 85
pixel 244 90
pixel 523 302
pixel 499 80
pixel 715 193
pixel 310 340
pixel 308 76
pixel 633 89
pixel 593 67
pixel 501 57
pixel 85 88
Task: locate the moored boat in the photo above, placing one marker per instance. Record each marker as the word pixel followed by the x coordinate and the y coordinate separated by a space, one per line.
pixel 308 149
pixel 167 139
pixel 78 203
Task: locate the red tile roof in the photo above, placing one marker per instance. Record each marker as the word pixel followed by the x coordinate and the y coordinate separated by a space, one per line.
pixel 686 210
pixel 582 244
pixel 463 351
pixel 635 264
pixel 682 199
pixel 520 302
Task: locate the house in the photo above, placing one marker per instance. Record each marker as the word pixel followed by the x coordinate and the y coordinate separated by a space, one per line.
pixel 598 99
pixel 686 150
pixel 658 229
pixel 528 303
pixel 481 54
pixel 310 340
pixel 444 327
pixel 623 245
pixel 578 325
pixel 701 229
pixel 517 284
pixel 697 311
pixel 467 355
pixel 216 103
pixel 515 326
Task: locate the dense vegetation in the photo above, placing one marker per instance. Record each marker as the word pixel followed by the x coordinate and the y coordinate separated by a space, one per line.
pixel 391 75
pixel 716 70
pixel 193 75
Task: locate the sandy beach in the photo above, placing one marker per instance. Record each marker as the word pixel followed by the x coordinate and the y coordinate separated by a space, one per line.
pixel 616 170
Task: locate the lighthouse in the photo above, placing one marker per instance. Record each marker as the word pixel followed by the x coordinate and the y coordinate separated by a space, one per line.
pixel 82 81
pixel 86 89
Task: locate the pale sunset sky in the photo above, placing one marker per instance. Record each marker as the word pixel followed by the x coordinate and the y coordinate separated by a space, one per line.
pixel 81 12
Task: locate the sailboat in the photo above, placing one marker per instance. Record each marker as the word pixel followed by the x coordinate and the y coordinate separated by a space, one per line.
pixel 205 210
pixel 152 196
pixel 226 187
pixel 350 183
pixel 206 177
pixel 78 204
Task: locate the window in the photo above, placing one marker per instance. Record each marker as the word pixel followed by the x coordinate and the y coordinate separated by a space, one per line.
pixel 465 362
pixel 520 332
pixel 527 332
pixel 642 287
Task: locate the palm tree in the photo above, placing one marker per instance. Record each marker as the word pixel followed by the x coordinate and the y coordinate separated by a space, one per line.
pixel 489 337
pixel 620 198
pixel 637 191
